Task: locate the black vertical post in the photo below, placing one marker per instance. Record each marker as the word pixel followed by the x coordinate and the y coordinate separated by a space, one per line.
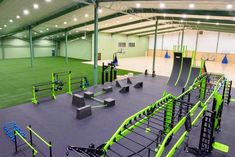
pixel 31 137
pixel 155 48
pixel 111 73
pixel 103 73
pixel 15 141
pixel 50 149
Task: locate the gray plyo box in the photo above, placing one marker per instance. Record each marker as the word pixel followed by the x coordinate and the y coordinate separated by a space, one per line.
pixel 109 102
pixel 84 112
pixel 108 89
pixel 88 95
pixel 78 100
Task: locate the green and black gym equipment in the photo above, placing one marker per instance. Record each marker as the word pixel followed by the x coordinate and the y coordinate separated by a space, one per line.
pixel 171 117
pixel 109 72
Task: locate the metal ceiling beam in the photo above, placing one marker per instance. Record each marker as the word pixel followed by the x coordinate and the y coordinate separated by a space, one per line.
pixel 141 32
pixel 185 11
pixel 80 25
pixel 51 17
pixel 169 31
pixel 199 19
pixel 137 28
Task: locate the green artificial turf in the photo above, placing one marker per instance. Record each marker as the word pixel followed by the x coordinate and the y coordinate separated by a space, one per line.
pixel 17 77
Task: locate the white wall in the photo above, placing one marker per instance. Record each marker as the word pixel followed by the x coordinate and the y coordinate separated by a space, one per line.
pixel 207 42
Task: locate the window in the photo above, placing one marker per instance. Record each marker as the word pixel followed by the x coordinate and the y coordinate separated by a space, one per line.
pixel 121 44
pixel 131 44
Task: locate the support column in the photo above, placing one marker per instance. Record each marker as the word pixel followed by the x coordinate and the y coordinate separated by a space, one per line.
pixel 31 46
pixel 196 45
pixel 162 41
pixel 96 7
pixel 3 50
pixel 66 48
pixel 217 44
pixel 182 41
pixel 178 40
pixel 155 48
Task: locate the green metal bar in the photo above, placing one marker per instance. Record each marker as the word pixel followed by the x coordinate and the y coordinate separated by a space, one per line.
pixel 182 137
pixel 155 48
pixel 134 29
pixel 179 38
pixel 28 144
pixel 34 99
pixel 31 46
pixel 53 86
pixel 217 44
pixel 126 122
pixel 39 137
pixel 96 22
pixel 66 47
pixel 232 100
pixel 69 84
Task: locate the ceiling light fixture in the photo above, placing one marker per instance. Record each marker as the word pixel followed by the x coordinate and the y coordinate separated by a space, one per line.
pixel 100 10
pixel 47 29
pixel 11 20
pixel 65 23
pixel 181 21
pixel 229 6
pixel 184 16
pixel 191 6
pixel 208 17
pixel 198 22
pixel 56 25
pixel 48 1
pixel 26 12
pixel 137 5
pixel 0 28
pixel 75 19
pixel 5 25
pixel 18 16
pixel 217 23
pixel 162 5
pixel 86 15
pixel 35 6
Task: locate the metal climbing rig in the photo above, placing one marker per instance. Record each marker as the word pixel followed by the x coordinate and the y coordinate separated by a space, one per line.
pixel 167 122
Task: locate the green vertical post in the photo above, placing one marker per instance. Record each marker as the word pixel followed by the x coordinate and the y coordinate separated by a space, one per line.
pixel 66 47
pixel 155 48
pixel 69 83
pixel 96 7
pixel 182 40
pixel 31 46
pixel 3 50
pixel 217 44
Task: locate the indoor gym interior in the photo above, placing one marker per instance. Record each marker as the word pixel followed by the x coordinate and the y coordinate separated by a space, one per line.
pixel 103 78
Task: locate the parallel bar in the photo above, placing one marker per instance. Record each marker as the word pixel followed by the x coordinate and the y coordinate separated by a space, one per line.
pixel 22 138
pixel 96 7
pixel 155 48
pixel 39 137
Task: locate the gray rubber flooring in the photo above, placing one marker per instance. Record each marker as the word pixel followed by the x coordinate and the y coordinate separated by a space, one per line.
pixel 56 120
